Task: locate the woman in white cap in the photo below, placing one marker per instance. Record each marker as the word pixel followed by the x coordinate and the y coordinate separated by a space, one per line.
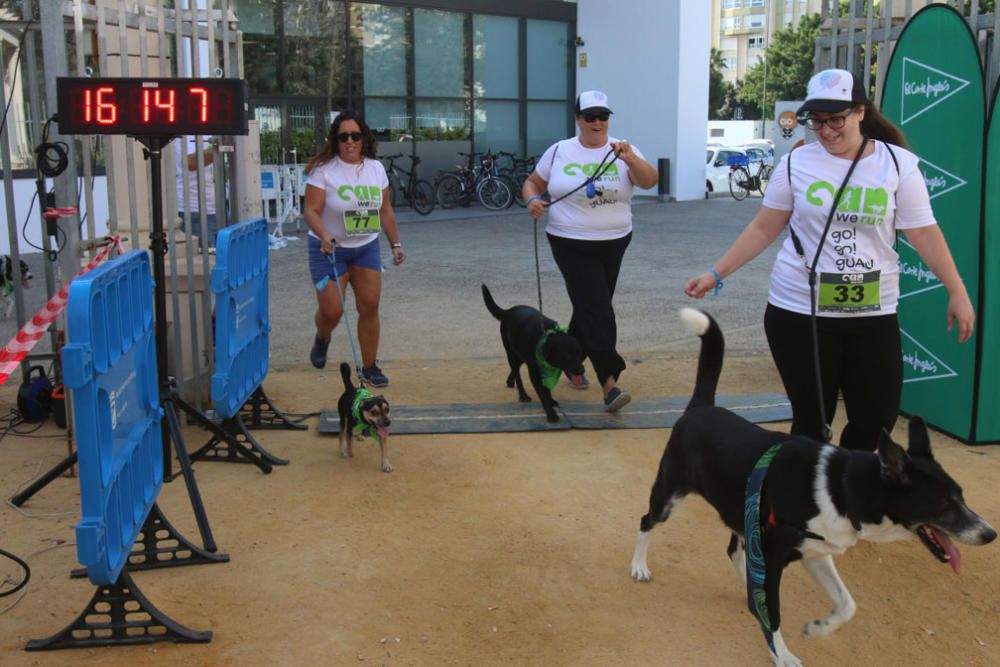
pixel 590 179
pixel 840 266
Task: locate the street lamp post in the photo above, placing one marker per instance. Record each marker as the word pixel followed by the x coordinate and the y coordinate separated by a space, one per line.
pixel 763 101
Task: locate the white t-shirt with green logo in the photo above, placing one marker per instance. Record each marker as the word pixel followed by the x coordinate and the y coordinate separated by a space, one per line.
pixel 608 215
pixel 348 187
pixel 858 268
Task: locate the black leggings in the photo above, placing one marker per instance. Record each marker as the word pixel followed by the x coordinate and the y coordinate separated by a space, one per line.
pixel 590 269
pixel 860 356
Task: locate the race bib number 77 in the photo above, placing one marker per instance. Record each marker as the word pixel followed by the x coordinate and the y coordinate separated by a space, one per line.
pixel 362 221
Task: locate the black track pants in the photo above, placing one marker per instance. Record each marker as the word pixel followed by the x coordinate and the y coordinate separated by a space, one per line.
pixel 859 356
pixel 590 269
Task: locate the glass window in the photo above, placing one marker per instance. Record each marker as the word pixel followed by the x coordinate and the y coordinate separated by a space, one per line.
pixel 388 120
pixel 548 60
pixel 381 33
pixel 494 56
pixel 262 51
pixel 547 124
pixel 441 120
pixel 755 3
pixel 731 4
pixel 439 53
pixel 256 17
pixel 315 60
pixel 498 126
pixel 755 21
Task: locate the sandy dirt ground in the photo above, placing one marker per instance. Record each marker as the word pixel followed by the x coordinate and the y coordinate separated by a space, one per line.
pixel 506 549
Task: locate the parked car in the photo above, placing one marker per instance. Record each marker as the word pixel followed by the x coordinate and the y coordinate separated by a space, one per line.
pixel 717 167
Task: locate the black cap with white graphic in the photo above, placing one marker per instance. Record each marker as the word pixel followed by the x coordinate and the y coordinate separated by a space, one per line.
pixel 831 91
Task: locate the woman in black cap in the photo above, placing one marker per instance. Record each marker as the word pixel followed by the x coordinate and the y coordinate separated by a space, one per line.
pixel 840 265
pixel 591 178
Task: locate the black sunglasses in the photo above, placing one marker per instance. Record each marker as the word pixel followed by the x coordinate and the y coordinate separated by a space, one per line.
pixel 590 117
pixel 353 136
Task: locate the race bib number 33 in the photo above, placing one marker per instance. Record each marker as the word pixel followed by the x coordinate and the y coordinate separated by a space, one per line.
pixel 850 292
pixel 362 221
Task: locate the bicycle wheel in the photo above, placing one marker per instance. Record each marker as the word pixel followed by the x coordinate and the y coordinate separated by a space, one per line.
pixel 739 183
pixel 494 193
pixel 448 191
pixel 422 197
pixel 763 177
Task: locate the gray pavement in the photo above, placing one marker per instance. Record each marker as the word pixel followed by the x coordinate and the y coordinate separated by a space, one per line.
pixel 432 308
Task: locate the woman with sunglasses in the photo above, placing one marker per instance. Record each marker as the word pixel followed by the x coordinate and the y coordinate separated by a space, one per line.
pixel 346 207
pixel 591 178
pixel 856 273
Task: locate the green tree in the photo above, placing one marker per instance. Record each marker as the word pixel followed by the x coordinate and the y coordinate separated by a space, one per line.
pixel 719 90
pixel 789 64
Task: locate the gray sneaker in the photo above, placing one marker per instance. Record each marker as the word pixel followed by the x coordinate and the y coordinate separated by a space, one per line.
pixel 317 355
pixel 616 400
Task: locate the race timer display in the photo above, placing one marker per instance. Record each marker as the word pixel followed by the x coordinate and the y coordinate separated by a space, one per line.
pixel 152 107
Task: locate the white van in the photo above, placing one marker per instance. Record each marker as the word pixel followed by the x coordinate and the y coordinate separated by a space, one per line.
pixel 717 167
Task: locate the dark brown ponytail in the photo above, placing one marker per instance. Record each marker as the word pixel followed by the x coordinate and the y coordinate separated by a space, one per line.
pixel 877 126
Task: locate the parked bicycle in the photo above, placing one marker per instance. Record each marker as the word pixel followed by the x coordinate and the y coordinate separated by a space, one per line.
pixel 418 193
pixel 742 181
pixel 518 173
pixel 481 180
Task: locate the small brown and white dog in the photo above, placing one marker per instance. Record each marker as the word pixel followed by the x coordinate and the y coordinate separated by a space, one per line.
pixel 8 282
pixel 362 413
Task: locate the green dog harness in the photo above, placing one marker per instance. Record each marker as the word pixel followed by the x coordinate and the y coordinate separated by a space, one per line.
pixel 550 374
pixel 361 427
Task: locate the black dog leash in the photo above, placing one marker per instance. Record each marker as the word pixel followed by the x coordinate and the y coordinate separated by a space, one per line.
pixel 827 430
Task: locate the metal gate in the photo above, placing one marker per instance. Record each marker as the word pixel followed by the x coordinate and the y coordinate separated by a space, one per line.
pixel 864 36
pixel 108 177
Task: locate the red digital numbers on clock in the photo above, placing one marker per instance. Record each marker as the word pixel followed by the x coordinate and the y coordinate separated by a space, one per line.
pixel 152 107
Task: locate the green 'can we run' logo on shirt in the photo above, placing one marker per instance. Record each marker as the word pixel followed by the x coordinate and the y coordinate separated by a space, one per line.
pixel 361 193
pixel 858 205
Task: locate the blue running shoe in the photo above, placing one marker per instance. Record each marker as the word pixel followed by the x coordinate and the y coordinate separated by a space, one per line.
pixel 374 376
pixel 317 355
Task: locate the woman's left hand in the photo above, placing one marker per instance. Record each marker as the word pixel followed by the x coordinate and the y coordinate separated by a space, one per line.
pixel 398 255
pixel 623 150
pixel 960 310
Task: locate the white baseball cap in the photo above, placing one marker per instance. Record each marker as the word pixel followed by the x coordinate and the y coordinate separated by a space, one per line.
pixel 833 90
pixel 592 100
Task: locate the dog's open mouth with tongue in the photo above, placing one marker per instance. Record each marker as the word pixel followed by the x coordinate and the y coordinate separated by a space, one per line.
pixel 940 545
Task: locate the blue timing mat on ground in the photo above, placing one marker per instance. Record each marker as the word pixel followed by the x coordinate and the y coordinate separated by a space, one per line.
pixel 524 417
pixel 242 331
pixel 109 366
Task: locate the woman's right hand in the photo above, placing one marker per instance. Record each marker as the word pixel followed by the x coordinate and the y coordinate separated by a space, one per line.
pixel 327 245
pixel 536 208
pixel 699 285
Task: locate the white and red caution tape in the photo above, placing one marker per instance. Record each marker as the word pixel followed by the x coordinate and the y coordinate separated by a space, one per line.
pixel 20 345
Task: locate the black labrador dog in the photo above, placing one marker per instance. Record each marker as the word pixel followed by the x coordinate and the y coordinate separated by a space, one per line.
pixel 534 340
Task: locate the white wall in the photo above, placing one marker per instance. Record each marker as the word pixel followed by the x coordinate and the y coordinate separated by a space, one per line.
pixel 734 132
pixel 651 58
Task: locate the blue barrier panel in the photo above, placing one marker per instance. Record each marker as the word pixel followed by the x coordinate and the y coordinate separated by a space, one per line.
pixel 739 160
pixel 242 328
pixel 109 366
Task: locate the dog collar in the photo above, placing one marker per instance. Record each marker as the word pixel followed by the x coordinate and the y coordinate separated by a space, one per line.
pixel 361 427
pixel 550 374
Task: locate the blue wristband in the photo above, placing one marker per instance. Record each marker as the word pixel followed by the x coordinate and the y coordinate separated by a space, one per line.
pixel 718 280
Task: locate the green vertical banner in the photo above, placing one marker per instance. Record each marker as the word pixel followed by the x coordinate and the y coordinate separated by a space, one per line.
pixel 988 414
pixel 934 92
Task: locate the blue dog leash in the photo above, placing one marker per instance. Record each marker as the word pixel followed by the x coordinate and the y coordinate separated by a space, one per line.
pixel 753 549
pixel 343 304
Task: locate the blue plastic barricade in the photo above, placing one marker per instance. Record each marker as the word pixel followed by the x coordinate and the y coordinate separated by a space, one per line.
pixel 109 366
pixel 739 160
pixel 242 328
